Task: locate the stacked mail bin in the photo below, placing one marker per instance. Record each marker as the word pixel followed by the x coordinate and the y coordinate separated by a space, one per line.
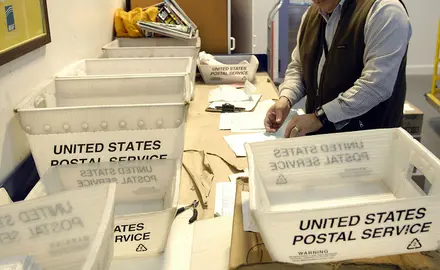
pixel 156 47
pixel 115 120
pixel 70 230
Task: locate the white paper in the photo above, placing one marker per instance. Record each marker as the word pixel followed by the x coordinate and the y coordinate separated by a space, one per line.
pixel 248 122
pixel 233 121
pixel 225 199
pixel 237 142
pixel 248 222
pixel 225 121
pixel 249 88
pixel 254 121
pixel 248 105
pixel 227 93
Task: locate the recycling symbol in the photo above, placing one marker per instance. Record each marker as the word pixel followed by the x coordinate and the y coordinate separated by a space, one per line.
pixel 415 244
pixel 281 180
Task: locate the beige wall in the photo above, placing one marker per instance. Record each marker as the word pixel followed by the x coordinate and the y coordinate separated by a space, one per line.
pixel 79 29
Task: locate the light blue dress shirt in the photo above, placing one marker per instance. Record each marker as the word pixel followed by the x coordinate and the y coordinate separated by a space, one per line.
pixel 387 34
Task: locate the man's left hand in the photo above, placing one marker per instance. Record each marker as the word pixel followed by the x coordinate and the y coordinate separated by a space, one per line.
pixel 301 125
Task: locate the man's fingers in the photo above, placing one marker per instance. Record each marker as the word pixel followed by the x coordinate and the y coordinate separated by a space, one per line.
pixel 268 123
pixel 290 127
pixel 279 115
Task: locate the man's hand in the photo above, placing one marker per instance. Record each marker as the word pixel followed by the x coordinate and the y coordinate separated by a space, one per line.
pixel 301 125
pixel 277 114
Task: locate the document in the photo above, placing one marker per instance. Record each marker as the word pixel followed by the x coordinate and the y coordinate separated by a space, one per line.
pixel 237 142
pixel 225 199
pixel 248 222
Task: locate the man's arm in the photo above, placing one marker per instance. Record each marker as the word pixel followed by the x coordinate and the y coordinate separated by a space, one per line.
pixel 293 87
pixel 387 33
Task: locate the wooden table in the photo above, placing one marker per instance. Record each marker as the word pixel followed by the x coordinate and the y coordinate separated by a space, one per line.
pixel 202 133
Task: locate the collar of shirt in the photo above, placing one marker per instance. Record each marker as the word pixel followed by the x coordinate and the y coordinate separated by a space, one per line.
pixel 326 16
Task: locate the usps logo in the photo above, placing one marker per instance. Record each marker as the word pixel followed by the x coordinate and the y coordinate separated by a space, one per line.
pixel 10 22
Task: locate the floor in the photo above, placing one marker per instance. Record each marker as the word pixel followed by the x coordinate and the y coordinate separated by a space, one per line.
pixel 418 86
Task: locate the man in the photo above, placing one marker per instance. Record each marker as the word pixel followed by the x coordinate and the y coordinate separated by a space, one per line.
pixel 350 62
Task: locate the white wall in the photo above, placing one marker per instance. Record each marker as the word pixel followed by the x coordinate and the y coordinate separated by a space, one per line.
pixel 79 29
pixel 424 15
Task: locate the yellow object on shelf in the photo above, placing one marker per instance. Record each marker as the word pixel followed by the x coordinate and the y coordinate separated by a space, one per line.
pixel 434 96
pixel 125 22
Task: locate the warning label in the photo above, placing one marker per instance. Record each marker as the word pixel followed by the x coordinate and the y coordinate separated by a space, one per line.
pixel 313 255
pixel 141 248
pixel 380 225
pixel 415 244
pixel 281 180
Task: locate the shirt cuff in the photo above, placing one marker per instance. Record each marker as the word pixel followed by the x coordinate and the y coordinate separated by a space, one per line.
pixel 334 114
pixel 333 111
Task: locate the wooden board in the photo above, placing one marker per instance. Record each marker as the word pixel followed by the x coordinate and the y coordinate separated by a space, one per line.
pixel 211 17
pixel 202 133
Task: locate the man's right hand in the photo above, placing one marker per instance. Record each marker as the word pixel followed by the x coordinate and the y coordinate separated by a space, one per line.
pixel 277 114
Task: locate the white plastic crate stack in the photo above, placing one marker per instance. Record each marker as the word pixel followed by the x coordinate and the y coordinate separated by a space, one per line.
pixel 121 69
pixel 70 230
pixel 156 47
pixel 146 199
pixel 344 196
pixel 105 117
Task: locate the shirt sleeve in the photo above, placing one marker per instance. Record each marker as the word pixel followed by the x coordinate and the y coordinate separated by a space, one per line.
pixel 387 33
pixel 293 86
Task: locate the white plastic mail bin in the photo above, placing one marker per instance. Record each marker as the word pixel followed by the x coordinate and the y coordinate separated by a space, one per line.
pixel 146 199
pixel 4 197
pixel 344 196
pixel 69 230
pixel 233 71
pixel 121 68
pixel 154 47
pixel 160 88
pixel 86 132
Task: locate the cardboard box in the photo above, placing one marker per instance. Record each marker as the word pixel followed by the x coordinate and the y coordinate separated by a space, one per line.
pixel 412 119
pixel 211 17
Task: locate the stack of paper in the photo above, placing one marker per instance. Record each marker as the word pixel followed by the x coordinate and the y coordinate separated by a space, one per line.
pixel 249 224
pixel 237 142
pixel 225 195
pixel 18 263
pixel 240 98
